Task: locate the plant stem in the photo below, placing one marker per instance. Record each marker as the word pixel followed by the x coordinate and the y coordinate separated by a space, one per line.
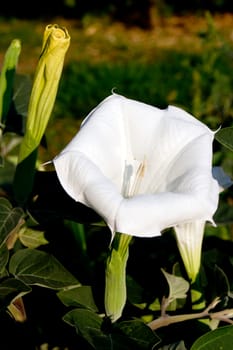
pixel 167 320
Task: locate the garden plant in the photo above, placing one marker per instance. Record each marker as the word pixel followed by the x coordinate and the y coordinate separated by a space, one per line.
pixel 123 240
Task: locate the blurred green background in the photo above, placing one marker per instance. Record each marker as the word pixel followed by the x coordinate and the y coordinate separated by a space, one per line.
pixel 160 52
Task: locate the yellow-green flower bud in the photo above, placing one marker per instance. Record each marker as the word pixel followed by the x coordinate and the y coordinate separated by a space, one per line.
pixel 115 277
pixel 55 44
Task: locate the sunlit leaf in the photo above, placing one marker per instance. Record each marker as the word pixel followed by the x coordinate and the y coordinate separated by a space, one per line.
pixel 32 238
pixel 178 286
pixel 10 289
pixel 14 234
pixel 221 338
pixel 17 310
pixel 225 137
pixel 40 268
pixel 155 306
pixel 79 297
pixel 9 219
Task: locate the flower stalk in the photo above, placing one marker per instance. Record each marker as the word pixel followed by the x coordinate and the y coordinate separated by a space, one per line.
pixel 115 276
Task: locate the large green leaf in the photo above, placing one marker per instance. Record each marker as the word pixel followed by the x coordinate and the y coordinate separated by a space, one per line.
pixel 139 333
pixel 37 267
pixel 87 324
pixel 90 326
pixel 10 289
pixel 221 338
pixel 79 297
pixel 225 137
pixel 9 219
pixel 126 335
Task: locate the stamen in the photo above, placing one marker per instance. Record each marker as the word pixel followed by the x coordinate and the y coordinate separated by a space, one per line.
pixel 128 172
pixel 133 175
pixel 138 178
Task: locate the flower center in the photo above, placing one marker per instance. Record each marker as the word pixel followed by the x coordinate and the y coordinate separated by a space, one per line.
pixel 132 179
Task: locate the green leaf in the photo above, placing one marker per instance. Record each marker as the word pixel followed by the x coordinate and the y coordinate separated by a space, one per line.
pixel 225 137
pixel 139 333
pixel 7 77
pixel 125 335
pixel 175 346
pixel 40 268
pixel 79 297
pixel 4 257
pixel 135 292
pixel 9 219
pixel 87 324
pixel 24 178
pixel 224 213
pixel 32 238
pixel 178 286
pixel 221 338
pixel 78 231
pixel 10 289
pixel 22 92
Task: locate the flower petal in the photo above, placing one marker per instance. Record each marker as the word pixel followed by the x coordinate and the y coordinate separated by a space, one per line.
pixel 85 183
pixel 189 240
pixel 148 215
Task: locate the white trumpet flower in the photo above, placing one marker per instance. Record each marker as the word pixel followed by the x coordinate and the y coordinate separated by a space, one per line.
pixel 141 168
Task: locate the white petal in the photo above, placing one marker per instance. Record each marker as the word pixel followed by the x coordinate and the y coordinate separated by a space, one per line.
pixel 102 140
pixel 148 215
pixel 85 183
pixel 189 240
